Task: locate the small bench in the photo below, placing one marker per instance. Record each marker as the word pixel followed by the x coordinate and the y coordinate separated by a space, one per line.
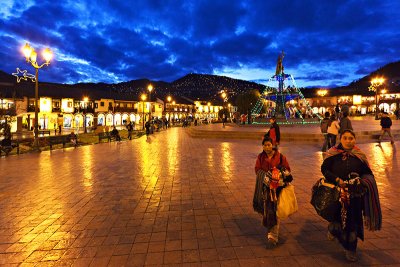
pixel 43 132
pixel 104 135
pixel 60 139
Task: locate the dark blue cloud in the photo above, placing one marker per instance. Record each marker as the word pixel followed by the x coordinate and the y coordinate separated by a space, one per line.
pixel 325 42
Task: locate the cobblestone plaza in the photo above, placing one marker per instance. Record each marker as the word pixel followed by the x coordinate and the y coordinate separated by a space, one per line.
pixel 175 200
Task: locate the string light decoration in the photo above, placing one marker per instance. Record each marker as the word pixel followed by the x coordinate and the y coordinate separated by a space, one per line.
pixel 23 75
pixel 283 91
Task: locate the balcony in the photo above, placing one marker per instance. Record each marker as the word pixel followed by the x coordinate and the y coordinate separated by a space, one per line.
pixel 8 112
pixel 125 109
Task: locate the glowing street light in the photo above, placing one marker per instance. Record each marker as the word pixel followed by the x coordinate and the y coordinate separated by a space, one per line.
pixel 322 92
pixel 375 84
pixel 143 97
pixel 31 57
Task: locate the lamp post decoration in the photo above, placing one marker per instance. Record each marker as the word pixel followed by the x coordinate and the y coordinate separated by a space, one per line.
pixel 23 75
pixel 31 57
pixel 374 87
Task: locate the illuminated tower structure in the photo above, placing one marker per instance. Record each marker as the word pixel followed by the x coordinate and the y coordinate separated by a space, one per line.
pixel 290 106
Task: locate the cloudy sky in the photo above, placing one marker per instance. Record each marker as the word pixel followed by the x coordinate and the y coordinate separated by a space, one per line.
pixel 326 43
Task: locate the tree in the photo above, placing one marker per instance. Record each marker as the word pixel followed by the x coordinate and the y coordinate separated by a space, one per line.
pixel 246 101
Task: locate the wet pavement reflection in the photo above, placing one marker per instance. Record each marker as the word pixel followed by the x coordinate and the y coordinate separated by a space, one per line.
pixel 173 200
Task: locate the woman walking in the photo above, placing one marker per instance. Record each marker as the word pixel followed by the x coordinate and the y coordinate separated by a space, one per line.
pixel 273 173
pixel 347 167
pixel 333 131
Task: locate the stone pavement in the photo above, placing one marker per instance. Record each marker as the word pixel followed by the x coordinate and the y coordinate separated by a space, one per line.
pixel 173 201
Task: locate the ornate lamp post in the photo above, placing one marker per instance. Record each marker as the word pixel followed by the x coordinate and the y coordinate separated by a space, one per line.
pixel 143 97
pixel 209 112
pixel 169 98
pixel 150 88
pixel 31 57
pixel 375 84
pixel 85 103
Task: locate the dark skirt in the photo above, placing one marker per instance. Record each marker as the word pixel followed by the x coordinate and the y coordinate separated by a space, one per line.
pixel 353 229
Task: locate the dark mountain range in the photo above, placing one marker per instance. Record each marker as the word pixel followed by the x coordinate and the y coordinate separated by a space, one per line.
pixel 193 86
pixel 390 72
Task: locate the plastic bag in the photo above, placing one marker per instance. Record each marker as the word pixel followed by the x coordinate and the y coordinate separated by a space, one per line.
pixel 287 202
pixel 325 199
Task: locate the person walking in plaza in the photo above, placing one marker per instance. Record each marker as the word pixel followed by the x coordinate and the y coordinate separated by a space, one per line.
pixel 147 126
pixel 346 166
pixel 345 123
pixel 129 127
pixel 324 130
pixel 273 173
pixel 386 123
pixel 274 132
pixel 333 131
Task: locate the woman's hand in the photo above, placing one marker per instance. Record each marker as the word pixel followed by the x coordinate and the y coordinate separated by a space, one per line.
pixel 340 183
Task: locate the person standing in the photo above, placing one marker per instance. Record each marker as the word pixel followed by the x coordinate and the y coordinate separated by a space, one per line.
pixel 274 132
pixel 324 130
pixel 129 127
pixel 333 131
pixel 273 173
pixel 386 123
pixel 345 123
pixel 346 166
pixel 337 110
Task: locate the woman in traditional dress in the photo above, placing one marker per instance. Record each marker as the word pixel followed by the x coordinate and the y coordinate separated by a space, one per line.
pixel 343 166
pixel 273 172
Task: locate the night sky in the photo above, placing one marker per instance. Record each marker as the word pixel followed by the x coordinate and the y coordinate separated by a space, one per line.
pixel 326 43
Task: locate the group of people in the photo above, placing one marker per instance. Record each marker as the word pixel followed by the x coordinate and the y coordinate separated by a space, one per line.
pixel 331 128
pixel 344 166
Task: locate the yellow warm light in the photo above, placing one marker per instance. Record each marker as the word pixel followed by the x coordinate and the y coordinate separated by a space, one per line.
pixel 150 87
pixel 33 56
pixel 169 98
pixel 143 97
pixel 322 92
pixel 377 81
pixel 209 104
pixel 357 99
pixel 27 50
pixel 85 99
pixel 47 54
pixel 383 91
pixel 223 95
pixel 229 104
pixel 173 102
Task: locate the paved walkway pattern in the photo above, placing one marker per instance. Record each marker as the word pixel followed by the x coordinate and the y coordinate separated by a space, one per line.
pixel 173 201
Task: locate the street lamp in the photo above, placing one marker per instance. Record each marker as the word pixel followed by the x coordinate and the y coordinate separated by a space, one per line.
pixel 143 97
pixel 169 98
pixel 31 57
pixel 85 103
pixel 150 88
pixel 375 83
pixel 209 112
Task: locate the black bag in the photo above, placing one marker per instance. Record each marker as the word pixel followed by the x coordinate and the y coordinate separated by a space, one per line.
pixel 325 199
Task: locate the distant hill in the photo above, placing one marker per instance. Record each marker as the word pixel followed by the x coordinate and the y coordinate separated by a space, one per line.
pixel 201 86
